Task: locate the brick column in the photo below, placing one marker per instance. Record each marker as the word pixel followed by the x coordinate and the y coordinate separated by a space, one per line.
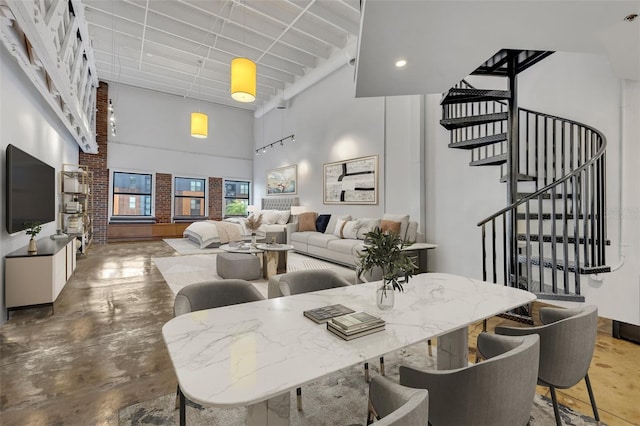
pixel 97 163
pixel 163 198
pixel 215 198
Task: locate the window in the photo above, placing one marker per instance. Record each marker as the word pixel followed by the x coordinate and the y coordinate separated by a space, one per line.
pixel 236 197
pixel 189 198
pixel 131 194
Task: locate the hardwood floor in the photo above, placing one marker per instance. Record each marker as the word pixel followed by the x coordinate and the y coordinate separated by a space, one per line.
pixel 102 349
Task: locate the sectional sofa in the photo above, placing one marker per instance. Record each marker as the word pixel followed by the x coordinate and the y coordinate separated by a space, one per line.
pixel 339 239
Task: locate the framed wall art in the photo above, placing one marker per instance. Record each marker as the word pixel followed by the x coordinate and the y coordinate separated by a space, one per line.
pixel 352 181
pixel 282 181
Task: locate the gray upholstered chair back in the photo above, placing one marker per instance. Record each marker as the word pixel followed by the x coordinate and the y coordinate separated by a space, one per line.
pixel 567 341
pixel 398 405
pixel 312 280
pixel 498 391
pixel 214 294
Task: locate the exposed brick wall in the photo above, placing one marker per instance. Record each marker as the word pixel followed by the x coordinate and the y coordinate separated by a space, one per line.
pixel 215 198
pixel 163 198
pixel 97 163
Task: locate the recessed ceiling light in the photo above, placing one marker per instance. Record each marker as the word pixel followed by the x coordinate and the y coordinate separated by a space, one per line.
pixel 401 63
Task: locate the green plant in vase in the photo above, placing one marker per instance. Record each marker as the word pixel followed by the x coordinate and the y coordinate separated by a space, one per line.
pixel 33 229
pixel 384 250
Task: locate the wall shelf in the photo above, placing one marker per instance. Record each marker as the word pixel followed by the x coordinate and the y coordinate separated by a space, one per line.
pixel 76 204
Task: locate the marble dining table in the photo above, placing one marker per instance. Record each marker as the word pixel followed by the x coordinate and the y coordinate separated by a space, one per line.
pixel 253 354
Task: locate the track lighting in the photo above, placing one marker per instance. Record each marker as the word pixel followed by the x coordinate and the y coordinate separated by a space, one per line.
pixel 279 141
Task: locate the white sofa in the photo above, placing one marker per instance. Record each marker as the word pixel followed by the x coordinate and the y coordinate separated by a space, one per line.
pixel 343 248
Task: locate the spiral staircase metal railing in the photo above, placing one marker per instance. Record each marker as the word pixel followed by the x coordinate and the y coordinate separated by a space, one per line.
pixel 553 229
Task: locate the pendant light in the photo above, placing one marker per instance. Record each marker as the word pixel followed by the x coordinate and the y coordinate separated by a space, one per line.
pixel 243 76
pixel 243 80
pixel 199 120
pixel 199 125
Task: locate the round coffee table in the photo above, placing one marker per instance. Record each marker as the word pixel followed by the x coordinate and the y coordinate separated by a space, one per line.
pixel 275 258
pixel 242 248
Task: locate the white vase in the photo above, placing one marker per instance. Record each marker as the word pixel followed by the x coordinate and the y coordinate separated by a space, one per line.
pixel 253 239
pixel 33 248
pixel 385 296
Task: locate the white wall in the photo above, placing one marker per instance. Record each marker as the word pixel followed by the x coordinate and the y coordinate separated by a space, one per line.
pixel 331 125
pixel 575 86
pixel 27 122
pixel 153 135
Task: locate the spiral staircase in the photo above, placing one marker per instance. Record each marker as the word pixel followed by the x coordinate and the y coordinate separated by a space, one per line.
pixel 553 230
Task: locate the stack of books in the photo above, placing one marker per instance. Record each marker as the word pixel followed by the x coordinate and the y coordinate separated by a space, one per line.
pixel 325 313
pixel 355 325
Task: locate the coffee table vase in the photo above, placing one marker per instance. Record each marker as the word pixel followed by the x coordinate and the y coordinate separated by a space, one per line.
pixel 385 296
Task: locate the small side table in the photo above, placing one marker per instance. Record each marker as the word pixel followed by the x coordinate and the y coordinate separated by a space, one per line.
pixel 275 258
pixel 418 251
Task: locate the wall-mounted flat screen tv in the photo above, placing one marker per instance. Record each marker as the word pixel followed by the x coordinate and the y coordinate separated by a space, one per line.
pixel 31 190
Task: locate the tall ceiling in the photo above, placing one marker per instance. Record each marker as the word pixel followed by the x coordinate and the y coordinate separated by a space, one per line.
pixel 185 47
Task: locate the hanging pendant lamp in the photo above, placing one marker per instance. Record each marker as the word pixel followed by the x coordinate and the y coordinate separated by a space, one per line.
pixel 199 125
pixel 243 80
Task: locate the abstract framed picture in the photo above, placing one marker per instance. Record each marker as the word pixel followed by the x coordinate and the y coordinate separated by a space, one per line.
pixel 352 181
pixel 282 181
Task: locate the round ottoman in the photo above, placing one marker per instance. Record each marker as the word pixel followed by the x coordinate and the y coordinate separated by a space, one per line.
pixel 238 265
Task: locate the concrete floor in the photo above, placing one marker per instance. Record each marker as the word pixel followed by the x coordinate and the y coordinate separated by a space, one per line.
pixel 102 349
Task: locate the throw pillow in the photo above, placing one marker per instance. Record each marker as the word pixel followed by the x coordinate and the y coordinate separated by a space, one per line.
pixel 322 221
pixel 350 229
pixel 338 229
pixel 390 226
pixel 404 222
pixel 283 217
pixel 367 225
pixel 307 221
pixel 270 217
pixel 331 227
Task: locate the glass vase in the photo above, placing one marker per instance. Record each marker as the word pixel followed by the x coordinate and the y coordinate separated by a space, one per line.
pixel 385 297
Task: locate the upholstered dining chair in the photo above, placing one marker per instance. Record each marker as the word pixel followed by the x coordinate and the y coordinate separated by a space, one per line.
pixel 567 342
pixel 396 405
pixel 498 391
pixel 310 280
pixel 208 295
pixel 298 282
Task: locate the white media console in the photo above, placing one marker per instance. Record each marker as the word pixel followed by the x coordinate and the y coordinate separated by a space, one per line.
pixel 37 279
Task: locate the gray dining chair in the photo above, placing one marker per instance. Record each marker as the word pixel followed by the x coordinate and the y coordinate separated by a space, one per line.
pixel 497 392
pixel 209 295
pixel 396 405
pixel 567 342
pixel 298 282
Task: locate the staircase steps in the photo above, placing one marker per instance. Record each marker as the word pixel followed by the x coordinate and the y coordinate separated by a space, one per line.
pixel 462 95
pixel 520 177
pixel 495 160
pixel 478 142
pixel 460 123
pixel 547 293
pixel 497 64
pixel 545 196
pixel 559 239
pixel 561 265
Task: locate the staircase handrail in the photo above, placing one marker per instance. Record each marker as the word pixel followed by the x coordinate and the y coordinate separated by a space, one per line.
pixel 574 172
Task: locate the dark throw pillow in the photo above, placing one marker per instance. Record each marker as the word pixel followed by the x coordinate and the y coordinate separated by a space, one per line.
pixel 322 221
